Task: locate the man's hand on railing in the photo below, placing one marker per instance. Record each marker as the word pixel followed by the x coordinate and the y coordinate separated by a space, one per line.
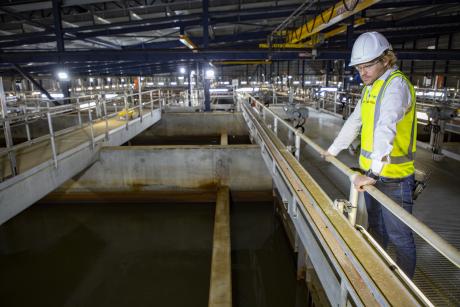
pixel 326 154
pixel 360 181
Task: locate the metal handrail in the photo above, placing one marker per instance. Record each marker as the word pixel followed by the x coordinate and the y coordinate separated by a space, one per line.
pixel 432 238
pixel 51 111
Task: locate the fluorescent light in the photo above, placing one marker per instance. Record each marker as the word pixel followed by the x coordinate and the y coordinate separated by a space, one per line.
pixel 182 70
pixel 149 83
pixel 210 74
pixel 307 82
pixel 173 83
pixel 110 96
pixel 289 77
pixel 91 79
pixel 243 83
pixel 54 95
pixel 180 77
pixel 184 39
pixel 86 106
pixel 295 82
pixel 62 75
pixel 218 90
pixel 109 79
pixel 161 83
pixel 329 89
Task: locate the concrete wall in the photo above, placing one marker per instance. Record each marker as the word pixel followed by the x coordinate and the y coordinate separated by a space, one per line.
pixel 173 168
pixel 198 124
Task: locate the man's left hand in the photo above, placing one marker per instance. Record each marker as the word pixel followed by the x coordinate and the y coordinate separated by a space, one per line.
pixel 361 180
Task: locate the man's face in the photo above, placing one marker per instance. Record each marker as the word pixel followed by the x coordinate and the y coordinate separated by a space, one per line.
pixel 372 70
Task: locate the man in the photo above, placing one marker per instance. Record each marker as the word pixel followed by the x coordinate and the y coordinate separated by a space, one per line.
pixel 387 118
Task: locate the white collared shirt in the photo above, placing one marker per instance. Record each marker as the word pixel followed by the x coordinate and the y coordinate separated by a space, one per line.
pixel 394 104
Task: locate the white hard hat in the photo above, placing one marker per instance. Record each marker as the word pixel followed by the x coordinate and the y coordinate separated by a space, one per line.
pixel 368 46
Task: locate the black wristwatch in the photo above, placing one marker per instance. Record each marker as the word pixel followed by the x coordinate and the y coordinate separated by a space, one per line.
pixel 372 175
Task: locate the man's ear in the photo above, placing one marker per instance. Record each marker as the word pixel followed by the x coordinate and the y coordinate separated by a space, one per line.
pixel 386 61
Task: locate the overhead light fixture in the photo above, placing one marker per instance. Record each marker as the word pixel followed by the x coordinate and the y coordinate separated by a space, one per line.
pixel 62 75
pixel 209 74
pixel 184 39
pixel 182 70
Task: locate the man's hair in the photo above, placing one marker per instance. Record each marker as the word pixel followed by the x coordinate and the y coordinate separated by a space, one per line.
pixel 391 57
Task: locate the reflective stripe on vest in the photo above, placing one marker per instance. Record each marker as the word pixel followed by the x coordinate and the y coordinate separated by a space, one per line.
pixel 401 160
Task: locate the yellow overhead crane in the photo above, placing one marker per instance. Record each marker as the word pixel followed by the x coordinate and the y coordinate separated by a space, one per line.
pixel 338 12
pixel 317 38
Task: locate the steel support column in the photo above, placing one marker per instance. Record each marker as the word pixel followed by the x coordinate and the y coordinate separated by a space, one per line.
pixel 206 85
pixel 303 74
pixel 58 25
pixel 446 69
pixel 189 91
pixel 205 23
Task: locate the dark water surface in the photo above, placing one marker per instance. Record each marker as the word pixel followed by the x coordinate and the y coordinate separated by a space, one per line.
pixel 141 255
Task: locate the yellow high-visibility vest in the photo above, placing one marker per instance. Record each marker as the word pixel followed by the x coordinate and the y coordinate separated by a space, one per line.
pixel 402 156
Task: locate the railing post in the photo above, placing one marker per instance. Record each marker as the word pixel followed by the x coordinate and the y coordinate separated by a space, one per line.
pixel 140 98
pixel 26 123
pixel 104 105
pixel 275 126
pixel 90 117
pixel 126 111
pixel 53 142
pixel 335 102
pixel 151 103
pixel 79 112
pixel 297 145
pixel 27 129
pixel 354 195
pixel 159 98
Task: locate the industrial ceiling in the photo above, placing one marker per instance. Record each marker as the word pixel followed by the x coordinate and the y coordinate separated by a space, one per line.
pixel 92 37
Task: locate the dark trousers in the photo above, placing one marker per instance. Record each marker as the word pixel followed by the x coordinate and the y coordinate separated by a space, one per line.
pixel 385 227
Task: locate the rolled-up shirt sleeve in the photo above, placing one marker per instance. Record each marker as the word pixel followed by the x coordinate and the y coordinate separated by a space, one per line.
pixel 394 104
pixel 348 133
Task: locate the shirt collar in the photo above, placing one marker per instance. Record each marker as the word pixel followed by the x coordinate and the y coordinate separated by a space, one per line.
pixel 387 73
